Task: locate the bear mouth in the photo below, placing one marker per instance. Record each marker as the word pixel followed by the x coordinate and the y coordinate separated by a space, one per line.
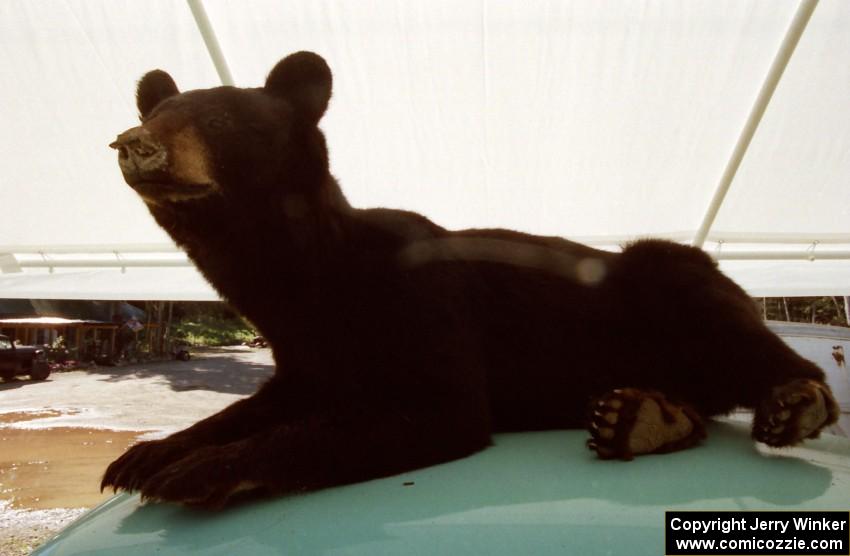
pixel 162 190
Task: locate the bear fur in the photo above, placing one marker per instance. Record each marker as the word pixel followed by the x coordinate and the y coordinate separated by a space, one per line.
pixel 400 344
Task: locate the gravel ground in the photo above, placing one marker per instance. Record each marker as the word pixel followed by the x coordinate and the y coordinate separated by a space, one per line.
pixel 24 530
pixel 158 398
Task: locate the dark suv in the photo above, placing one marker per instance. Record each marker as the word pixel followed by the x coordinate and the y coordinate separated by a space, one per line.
pixel 22 360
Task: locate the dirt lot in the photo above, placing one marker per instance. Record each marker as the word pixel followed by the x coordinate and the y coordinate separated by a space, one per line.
pixel 57 436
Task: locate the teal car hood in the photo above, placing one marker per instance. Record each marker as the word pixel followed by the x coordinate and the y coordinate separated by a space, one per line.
pixel 529 493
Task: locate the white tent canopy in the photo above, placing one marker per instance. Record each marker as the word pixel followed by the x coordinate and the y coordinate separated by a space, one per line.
pixel 599 121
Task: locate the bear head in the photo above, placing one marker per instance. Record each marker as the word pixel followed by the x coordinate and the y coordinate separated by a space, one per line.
pixel 228 143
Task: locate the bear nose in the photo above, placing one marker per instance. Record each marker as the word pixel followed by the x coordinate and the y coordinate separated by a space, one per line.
pixel 139 152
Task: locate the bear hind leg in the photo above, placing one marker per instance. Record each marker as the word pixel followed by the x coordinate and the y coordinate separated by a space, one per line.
pixel 629 421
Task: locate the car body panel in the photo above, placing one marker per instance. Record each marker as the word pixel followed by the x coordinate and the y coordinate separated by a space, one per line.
pixel 530 493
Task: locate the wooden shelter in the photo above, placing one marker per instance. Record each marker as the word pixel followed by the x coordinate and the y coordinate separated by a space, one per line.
pixel 84 339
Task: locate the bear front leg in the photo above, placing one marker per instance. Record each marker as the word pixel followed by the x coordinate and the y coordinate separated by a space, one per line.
pixel 239 420
pixel 334 448
pixel 628 422
pixel 794 411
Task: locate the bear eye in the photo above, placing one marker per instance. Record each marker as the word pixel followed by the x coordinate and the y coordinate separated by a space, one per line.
pixel 255 128
pixel 216 123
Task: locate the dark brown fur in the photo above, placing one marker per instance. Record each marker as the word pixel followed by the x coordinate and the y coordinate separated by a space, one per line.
pixel 398 343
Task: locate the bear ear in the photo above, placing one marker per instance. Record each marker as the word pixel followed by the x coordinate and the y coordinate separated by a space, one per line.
pixel 153 88
pixel 304 79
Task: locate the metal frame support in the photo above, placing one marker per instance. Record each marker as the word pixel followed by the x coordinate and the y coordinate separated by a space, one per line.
pixel 208 33
pixel 807 255
pixel 780 62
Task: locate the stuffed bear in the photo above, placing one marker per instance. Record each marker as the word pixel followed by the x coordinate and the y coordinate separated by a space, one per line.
pixel 399 344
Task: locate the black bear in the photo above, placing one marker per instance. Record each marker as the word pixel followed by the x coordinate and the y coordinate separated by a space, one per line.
pixel 400 344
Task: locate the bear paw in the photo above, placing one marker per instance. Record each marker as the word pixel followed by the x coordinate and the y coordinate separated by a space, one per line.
pixel 629 422
pixel 142 461
pixel 795 411
pixel 210 477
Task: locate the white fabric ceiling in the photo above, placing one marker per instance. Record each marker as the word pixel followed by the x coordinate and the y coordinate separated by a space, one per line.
pixel 594 120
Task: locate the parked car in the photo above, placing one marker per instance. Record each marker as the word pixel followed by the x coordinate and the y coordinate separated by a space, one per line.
pixel 22 360
pixel 540 493
pixel 537 493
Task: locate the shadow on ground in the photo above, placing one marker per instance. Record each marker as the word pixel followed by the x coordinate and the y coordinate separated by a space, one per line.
pixel 224 372
pixel 16 383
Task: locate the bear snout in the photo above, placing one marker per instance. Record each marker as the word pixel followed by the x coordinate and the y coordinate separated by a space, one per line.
pixel 140 155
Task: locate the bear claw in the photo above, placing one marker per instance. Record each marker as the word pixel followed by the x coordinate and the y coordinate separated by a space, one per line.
pixel 795 411
pixel 627 422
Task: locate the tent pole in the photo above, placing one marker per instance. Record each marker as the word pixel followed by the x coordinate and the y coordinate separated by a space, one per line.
pixel 780 62
pixel 769 255
pixel 208 33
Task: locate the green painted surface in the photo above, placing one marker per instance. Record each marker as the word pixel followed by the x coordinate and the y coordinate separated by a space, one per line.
pixel 531 493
